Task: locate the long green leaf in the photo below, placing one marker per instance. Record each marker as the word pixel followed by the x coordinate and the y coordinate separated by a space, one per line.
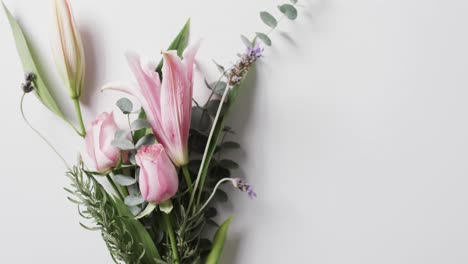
pixel 179 43
pixel 218 243
pixel 31 64
pixel 138 231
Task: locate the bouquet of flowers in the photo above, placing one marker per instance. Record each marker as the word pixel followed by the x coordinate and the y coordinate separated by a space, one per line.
pixel 151 188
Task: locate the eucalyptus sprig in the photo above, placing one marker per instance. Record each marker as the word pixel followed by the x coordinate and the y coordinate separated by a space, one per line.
pixel 214 114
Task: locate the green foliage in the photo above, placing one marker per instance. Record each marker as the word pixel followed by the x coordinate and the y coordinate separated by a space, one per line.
pixel 218 243
pixel 229 164
pixel 132 200
pixel 230 145
pixel 247 42
pixel 264 38
pixel 121 140
pixel 125 105
pixel 288 10
pixel 31 64
pixel 179 43
pixel 145 141
pixel 140 124
pixel 200 119
pixel 212 107
pixel 268 19
pixel 220 68
pixel 218 88
pixel 143 131
pixel 124 180
pixel 126 238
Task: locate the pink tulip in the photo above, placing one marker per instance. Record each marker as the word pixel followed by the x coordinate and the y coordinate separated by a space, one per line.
pixel 168 105
pixel 98 140
pixel 158 176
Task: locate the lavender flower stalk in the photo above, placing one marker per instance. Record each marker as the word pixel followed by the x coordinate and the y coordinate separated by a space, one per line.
pixel 239 70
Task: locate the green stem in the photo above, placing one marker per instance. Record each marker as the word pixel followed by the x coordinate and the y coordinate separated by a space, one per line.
pixel 211 197
pixel 208 153
pixel 172 238
pixel 116 189
pixel 76 103
pixel 39 133
pixel 188 179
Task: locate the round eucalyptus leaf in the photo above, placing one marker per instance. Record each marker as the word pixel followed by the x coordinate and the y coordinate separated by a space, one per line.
pixel 134 200
pixel 205 244
pixel 140 124
pixel 230 145
pixel 135 210
pixel 221 196
pixel 212 107
pixel 145 141
pixel 228 164
pixel 124 180
pixel 194 166
pixel 289 10
pixel 120 134
pixel 229 130
pixel 125 105
pixel 211 212
pixel 212 223
pixel 217 173
pixel 219 87
pixel 197 142
pixel 200 119
pixel 268 19
pixel 123 144
pixel 246 41
pixel 131 157
pixel 264 38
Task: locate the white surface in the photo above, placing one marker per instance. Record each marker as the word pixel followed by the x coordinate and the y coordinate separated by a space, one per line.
pixel 355 134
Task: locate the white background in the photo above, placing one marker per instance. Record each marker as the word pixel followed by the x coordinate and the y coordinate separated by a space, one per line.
pixel 353 129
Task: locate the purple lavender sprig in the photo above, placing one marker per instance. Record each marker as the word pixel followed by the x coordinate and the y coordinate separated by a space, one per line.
pixel 245 187
pixel 237 73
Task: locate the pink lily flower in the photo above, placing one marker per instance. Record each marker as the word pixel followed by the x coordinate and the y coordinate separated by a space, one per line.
pixel 168 105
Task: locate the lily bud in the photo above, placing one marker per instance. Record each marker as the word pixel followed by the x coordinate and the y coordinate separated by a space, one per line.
pixel 68 48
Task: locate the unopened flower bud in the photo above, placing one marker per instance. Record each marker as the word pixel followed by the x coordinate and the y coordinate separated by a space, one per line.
pixel 27 87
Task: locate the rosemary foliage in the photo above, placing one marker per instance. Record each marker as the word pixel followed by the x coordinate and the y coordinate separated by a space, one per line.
pixel 127 240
